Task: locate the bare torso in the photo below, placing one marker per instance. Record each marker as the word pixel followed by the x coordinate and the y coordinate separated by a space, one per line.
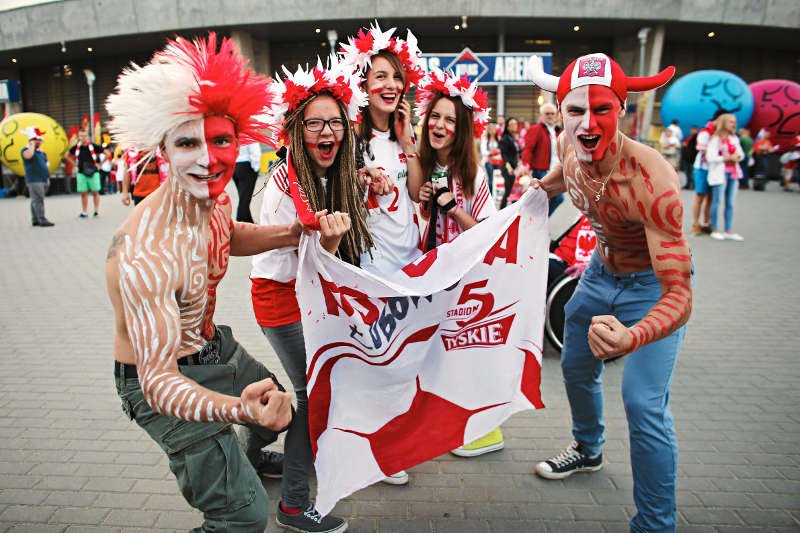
pixel 638 219
pixel 158 234
pixel 638 192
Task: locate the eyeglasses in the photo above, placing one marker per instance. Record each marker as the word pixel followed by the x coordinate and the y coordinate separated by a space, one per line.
pixel 315 125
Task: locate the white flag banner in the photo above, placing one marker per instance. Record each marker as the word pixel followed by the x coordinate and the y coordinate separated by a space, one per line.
pixel 405 368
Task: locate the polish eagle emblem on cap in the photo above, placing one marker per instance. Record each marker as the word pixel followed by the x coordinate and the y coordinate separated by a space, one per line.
pixel 593 66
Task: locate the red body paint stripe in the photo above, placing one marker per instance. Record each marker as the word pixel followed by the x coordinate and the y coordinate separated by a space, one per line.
pixel 675 272
pixel 676 257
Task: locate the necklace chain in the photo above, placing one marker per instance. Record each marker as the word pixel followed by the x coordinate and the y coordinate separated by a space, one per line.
pixel 602 183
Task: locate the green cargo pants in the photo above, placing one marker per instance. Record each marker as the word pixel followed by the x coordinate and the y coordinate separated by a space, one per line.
pixel 211 467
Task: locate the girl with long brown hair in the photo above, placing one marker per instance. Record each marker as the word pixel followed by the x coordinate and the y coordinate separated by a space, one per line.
pixel 453 113
pixel 386 147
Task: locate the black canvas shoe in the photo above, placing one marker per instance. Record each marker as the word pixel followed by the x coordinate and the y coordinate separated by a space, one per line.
pixel 270 464
pixel 310 521
pixel 571 460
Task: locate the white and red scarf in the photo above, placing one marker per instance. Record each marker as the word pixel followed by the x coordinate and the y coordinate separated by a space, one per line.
pixel 91 151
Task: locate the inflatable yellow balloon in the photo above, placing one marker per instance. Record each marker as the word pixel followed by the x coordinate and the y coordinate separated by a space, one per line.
pixel 12 140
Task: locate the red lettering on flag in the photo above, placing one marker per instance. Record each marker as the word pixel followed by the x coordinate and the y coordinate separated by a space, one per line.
pixel 506 245
pixel 422 264
pixel 490 333
pixel 370 311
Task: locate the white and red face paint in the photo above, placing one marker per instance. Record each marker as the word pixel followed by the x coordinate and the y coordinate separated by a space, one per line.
pixel 442 124
pixel 202 155
pixel 322 146
pixel 591 119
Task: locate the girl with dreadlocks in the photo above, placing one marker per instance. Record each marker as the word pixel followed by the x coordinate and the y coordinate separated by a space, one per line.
pixel 453 113
pixel 386 148
pixel 312 116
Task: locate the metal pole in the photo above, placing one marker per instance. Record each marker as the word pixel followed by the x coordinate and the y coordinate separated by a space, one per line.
pixel 656 49
pixel 642 35
pixel 501 89
pixel 91 112
pixel 90 81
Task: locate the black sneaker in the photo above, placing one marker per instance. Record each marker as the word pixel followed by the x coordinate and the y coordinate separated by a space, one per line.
pixel 270 464
pixel 571 460
pixel 310 521
pixel 46 224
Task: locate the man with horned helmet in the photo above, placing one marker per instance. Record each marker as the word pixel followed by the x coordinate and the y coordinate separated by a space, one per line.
pixel 635 296
pixel 180 377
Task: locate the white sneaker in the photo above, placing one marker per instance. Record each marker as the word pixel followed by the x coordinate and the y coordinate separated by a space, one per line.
pixel 400 478
pixel 717 236
pixel 734 237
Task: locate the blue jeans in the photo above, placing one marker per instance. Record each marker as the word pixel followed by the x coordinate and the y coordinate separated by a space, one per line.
pixel 729 188
pixel 489 174
pixel 289 346
pixel 645 387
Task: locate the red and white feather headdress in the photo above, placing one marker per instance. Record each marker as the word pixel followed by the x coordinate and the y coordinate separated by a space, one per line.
pixel 473 97
pixel 368 43
pixel 337 80
pixel 187 80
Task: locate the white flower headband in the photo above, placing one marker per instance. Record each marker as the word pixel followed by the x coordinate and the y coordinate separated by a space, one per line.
pixel 338 80
pixel 366 44
pixel 473 97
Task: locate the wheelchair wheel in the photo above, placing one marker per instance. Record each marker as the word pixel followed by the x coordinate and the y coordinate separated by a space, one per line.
pixel 559 292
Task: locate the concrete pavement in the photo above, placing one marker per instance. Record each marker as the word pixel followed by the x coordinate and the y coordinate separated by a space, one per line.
pixel 71 461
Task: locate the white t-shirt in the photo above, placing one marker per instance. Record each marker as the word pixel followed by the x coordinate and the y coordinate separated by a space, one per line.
pixel 391 220
pixel 277 208
pixel 479 206
pixel 702 142
pixel 553 145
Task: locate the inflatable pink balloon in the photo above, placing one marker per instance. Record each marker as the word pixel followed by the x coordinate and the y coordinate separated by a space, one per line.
pixel 777 109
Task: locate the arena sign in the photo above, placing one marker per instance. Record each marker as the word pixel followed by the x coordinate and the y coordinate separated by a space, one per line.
pixel 488 69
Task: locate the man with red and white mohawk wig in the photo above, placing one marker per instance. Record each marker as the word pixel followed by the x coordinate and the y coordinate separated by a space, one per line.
pixel 183 379
pixel 635 296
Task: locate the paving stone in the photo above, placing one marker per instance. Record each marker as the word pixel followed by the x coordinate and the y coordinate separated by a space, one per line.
pixel 37 528
pixel 27 513
pixel 71 498
pixel 461 526
pixel 79 516
pixel 91 529
pixel 758 517
pixel 777 501
pixel 124 517
pixel 736 500
pixel 179 520
pixel 390 525
pixel 22 496
pixel 121 501
pixel 710 516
